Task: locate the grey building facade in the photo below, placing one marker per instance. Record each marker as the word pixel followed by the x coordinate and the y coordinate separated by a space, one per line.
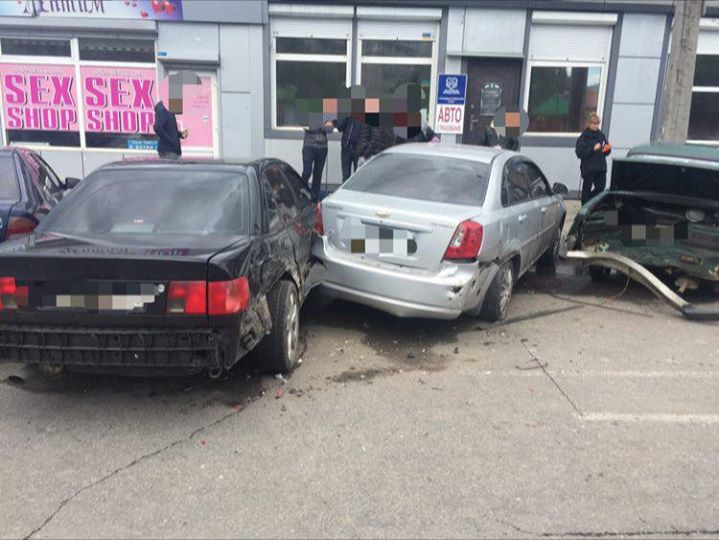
pixel 559 60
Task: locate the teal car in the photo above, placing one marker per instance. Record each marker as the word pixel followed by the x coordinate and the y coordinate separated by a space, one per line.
pixel 660 214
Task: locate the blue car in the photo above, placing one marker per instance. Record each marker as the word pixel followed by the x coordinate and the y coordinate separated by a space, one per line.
pixel 29 188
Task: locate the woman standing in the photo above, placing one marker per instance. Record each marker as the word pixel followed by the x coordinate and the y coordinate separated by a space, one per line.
pixel 592 149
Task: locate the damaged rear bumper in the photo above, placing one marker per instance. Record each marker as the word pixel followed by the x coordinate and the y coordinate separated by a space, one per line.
pixel 187 349
pixel 639 273
pixel 402 291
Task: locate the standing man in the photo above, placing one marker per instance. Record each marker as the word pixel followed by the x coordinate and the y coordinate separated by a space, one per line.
pixel 350 129
pixel 168 146
pixel 592 149
pixel 314 155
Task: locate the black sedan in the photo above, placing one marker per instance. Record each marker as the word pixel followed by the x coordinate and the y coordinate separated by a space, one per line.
pixel 155 266
pixel 29 188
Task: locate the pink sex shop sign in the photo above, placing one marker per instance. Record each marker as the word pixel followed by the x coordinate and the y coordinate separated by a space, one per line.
pixel 118 99
pixel 43 97
pixel 39 97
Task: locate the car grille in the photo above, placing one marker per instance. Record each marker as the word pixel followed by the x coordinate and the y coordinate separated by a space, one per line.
pixel 110 346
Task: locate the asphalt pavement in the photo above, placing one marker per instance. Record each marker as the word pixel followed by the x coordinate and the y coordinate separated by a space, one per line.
pixel 593 411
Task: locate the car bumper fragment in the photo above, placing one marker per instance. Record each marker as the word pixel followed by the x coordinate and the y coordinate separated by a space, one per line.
pixel 639 273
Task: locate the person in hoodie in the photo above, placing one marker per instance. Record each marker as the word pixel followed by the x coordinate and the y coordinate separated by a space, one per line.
pixel 592 149
pixel 168 146
pixel 314 155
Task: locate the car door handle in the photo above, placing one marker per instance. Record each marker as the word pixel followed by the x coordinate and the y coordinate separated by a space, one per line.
pixel 522 218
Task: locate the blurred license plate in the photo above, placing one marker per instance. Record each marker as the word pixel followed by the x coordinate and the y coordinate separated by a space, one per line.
pixel 379 240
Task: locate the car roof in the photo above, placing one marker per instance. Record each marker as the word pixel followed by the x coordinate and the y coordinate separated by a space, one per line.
pixel 193 163
pixel 685 154
pixel 483 154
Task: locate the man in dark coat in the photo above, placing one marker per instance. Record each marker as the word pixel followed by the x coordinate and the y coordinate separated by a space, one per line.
pixel 350 129
pixel 592 149
pixel 314 155
pixel 168 146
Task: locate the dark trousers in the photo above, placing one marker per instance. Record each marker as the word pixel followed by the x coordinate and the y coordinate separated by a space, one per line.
pixel 593 185
pixel 313 163
pixel 348 160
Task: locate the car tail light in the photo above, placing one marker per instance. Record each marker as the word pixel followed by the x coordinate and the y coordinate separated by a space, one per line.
pixel 188 297
pixel 203 298
pixel 12 296
pixel 17 226
pixel 466 242
pixel 227 297
pixel 319 226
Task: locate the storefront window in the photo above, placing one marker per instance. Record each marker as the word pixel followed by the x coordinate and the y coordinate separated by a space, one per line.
pixel 35 47
pixel 39 104
pixel 117 50
pixel 389 64
pixel 562 97
pixel 704 115
pixel 307 70
pixel 119 105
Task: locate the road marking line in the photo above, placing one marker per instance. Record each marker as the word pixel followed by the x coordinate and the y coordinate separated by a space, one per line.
pixel 663 418
pixel 616 374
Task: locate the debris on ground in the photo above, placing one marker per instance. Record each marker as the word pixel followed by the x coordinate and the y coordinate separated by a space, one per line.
pixel 279 377
pixel 279 394
pixel 410 355
pixel 456 350
pixel 16 379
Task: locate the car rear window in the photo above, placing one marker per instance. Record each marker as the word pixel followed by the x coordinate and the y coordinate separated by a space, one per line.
pixel 9 189
pixel 154 202
pixel 425 178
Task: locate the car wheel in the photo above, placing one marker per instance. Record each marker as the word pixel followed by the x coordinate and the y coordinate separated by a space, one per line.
pixel 549 257
pixel 278 352
pixel 599 273
pixel 496 302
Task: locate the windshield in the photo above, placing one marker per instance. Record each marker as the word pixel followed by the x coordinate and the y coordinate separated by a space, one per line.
pixel 9 189
pixel 153 202
pixel 425 178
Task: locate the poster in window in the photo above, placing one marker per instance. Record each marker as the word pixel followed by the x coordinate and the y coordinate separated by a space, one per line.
pixel 490 98
pixel 197 116
pixel 39 97
pixel 119 104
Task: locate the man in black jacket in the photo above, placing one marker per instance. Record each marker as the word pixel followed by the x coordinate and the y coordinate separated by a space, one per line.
pixel 168 146
pixel 592 149
pixel 350 129
pixel 314 154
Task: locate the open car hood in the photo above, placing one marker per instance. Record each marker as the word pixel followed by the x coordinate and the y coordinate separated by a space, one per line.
pixel 667 175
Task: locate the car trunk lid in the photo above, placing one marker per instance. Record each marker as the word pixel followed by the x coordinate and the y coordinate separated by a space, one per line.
pixel 62 275
pixel 393 230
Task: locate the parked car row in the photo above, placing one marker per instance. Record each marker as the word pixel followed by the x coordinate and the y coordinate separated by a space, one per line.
pixel 188 266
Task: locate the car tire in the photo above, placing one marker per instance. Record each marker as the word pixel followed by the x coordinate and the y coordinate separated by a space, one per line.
pixel 599 273
pixel 549 258
pixel 496 302
pixel 278 352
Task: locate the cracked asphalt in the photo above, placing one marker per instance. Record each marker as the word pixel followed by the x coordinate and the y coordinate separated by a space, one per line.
pixel 592 412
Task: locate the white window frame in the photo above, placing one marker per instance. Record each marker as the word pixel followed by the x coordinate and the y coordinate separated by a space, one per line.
pixel 74 60
pixel 706 90
pixel 430 61
pixel 564 64
pixel 345 59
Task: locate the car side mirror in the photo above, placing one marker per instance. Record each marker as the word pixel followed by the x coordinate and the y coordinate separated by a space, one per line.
pixel 71 182
pixel 560 189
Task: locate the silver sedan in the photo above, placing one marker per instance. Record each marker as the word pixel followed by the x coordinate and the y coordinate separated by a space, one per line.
pixel 437 230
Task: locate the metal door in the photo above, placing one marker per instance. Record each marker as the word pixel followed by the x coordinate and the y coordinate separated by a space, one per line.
pixel 491 84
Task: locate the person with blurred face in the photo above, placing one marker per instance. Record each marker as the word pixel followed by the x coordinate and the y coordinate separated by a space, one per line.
pixel 592 148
